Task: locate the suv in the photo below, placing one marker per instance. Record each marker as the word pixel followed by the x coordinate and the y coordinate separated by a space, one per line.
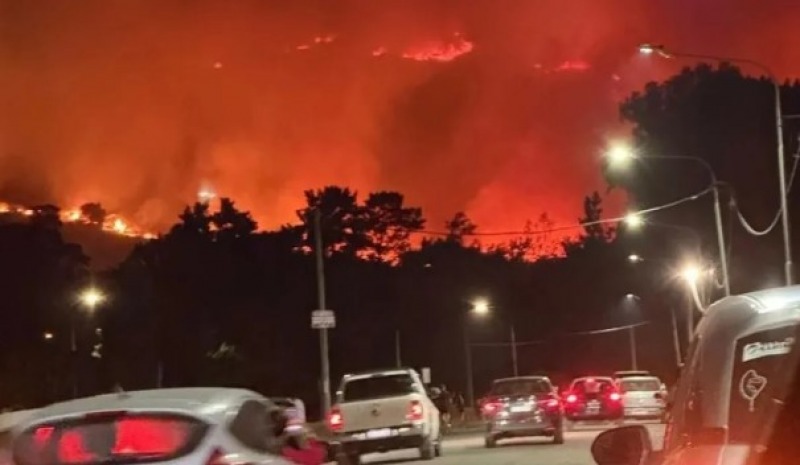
pixel 643 397
pixel 381 411
pixel 593 398
pixel 740 371
pixel 523 406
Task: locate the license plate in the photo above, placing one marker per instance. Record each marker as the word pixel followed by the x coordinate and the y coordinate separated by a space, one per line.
pixel 521 408
pixel 379 433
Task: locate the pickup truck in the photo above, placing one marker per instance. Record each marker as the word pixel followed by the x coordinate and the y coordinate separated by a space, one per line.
pixel 381 411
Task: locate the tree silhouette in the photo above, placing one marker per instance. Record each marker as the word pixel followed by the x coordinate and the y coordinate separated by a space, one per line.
pixel 94 213
pixel 389 225
pixel 342 223
pixel 47 216
pixel 229 223
pixel 458 227
pixel 595 232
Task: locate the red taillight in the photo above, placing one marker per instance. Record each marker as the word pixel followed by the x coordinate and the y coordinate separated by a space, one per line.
pixel 415 411
pixel 217 458
pixel 615 396
pixel 491 407
pixel 335 419
pixel 572 398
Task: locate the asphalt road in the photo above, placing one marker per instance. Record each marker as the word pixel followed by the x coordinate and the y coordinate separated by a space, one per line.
pixel 469 450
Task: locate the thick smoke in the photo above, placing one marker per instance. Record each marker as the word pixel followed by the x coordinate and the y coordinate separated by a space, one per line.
pixel 500 107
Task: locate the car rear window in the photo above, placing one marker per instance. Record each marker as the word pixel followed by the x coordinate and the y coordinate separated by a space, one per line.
pixel 641 385
pixel 109 439
pixel 378 386
pixel 592 386
pixel 518 387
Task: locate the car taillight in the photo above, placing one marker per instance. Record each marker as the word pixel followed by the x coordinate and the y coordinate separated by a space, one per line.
pixel 415 411
pixel 491 407
pixel 572 398
pixel 217 458
pixel 614 396
pixel 552 403
pixel 335 419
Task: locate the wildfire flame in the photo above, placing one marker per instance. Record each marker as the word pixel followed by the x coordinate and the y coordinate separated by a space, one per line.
pixel 113 223
pixel 440 51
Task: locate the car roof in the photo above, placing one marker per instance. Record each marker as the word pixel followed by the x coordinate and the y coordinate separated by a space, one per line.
pixel 386 372
pixel 9 420
pixel 598 378
pixel 522 378
pixel 639 378
pixel 208 403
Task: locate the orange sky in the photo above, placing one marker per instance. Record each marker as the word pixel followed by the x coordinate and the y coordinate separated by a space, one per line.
pixel 499 107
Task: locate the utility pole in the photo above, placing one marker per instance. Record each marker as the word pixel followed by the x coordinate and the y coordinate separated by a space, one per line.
pixel 514 351
pixel 322 305
pixel 398 361
pixel 676 341
pixel 632 334
pixel 468 360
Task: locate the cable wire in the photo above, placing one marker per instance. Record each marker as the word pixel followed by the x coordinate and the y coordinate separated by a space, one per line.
pixel 753 231
pixel 584 224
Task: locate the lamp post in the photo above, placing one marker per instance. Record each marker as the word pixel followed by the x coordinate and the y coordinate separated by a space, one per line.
pixel 649 49
pixel 619 154
pixel 482 308
pixel 88 299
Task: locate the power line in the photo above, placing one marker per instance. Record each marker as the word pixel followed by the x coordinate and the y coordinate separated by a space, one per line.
pixel 665 206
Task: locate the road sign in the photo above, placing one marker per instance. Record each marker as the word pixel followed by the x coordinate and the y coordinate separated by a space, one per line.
pixel 323 319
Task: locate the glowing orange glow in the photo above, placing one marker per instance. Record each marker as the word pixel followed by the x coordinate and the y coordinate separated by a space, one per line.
pixel 114 223
pixel 440 51
pixel 573 65
pixel 379 52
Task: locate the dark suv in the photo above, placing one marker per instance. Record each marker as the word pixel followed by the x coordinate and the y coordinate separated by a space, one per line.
pixel 523 407
pixel 593 399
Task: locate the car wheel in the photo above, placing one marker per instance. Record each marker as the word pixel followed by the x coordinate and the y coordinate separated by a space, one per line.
pixel 438 447
pixel 558 436
pixel 490 442
pixel 427 451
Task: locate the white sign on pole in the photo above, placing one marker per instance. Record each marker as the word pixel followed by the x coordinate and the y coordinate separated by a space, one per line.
pixel 426 375
pixel 323 319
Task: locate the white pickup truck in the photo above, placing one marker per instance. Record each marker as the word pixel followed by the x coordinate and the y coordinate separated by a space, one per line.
pixel 380 411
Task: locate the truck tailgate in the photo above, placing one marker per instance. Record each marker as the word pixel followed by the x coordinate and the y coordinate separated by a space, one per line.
pixel 376 413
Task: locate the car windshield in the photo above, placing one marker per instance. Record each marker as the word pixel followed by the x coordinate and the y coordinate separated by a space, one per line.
pixel 520 387
pixel 592 386
pixel 641 385
pixel 378 386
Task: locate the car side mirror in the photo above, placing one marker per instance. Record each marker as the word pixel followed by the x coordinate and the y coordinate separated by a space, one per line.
pixel 628 445
pixel 659 395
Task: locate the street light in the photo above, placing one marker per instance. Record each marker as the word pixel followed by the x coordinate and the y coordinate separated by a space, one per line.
pixel 634 221
pixel 635 258
pixel 649 49
pixel 91 298
pixel 621 151
pixel 481 307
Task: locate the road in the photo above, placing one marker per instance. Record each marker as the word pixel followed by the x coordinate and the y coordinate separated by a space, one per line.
pixel 469 450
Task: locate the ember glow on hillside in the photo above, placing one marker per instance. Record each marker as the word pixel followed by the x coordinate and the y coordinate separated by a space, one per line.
pixel 497 107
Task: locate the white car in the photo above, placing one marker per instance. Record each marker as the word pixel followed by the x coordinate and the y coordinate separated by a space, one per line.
pixel 191 426
pixel 643 397
pixel 380 411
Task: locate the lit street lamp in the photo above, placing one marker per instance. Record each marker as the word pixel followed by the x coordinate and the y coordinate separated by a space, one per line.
pixel 634 221
pixel 619 152
pixel 90 298
pixel 482 308
pixel 649 49
pixel 635 258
